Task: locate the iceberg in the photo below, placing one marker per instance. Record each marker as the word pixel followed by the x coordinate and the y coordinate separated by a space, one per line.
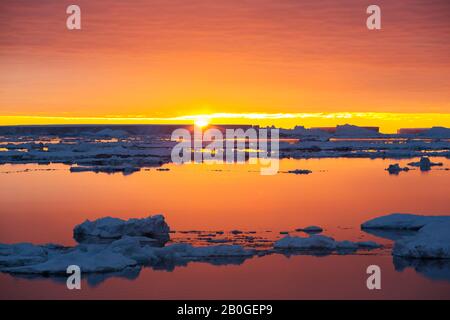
pixel 109 229
pixel 431 242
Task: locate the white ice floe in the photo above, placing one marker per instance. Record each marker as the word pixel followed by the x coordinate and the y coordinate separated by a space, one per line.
pixel 116 256
pixel 18 254
pixel 310 229
pixel 402 221
pixel 396 169
pixel 432 241
pixel 320 242
pixel 108 228
pixel 430 236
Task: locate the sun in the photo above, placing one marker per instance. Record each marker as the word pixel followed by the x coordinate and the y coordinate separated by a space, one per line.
pixel 201 122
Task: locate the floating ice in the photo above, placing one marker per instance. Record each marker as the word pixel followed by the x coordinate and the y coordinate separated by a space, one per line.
pixel 432 241
pixel 100 258
pixel 425 164
pixel 310 229
pixel 300 171
pixel 320 242
pixel 430 236
pixel 396 169
pixel 401 221
pixel 108 229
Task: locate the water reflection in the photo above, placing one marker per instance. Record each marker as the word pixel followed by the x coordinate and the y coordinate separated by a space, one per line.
pixel 434 269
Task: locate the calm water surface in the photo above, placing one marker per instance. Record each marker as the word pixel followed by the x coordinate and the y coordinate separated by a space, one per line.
pixel 42 204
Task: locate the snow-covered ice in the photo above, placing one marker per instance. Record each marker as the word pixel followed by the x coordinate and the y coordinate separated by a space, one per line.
pixel 402 221
pixel 432 241
pixel 310 229
pixel 429 239
pixel 107 229
pixel 320 242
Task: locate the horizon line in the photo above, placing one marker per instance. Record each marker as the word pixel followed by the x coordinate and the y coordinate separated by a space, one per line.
pixel 386 121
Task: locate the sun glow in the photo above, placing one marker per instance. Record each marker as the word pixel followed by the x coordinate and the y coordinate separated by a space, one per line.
pixel 201 122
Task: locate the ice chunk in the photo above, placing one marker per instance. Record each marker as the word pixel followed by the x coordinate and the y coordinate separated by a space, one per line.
pixel 400 221
pixel 310 229
pixel 396 169
pixel 431 242
pixel 300 171
pixel 425 164
pixel 324 243
pixel 90 258
pixel 314 242
pixel 108 229
pixel 113 257
pixel 19 254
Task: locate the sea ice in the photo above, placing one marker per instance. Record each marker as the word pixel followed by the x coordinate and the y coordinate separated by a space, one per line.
pixel 425 164
pixel 108 229
pixel 320 242
pixel 430 237
pixel 402 221
pixel 396 169
pixel 310 229
pixel 116 256
pixel 432 241
pixel 300 171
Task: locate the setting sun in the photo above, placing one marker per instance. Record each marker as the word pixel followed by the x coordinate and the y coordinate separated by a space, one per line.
pixel 201 122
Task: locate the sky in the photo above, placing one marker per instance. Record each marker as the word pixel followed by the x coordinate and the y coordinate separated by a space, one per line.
pixel 282 62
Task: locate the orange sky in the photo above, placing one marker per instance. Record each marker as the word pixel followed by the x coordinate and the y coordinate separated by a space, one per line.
pixel 171 58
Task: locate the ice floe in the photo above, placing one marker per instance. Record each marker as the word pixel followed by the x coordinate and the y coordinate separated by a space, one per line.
pixel 402 221
pixel 107 229
pixel 300 171
pixel 310 229
pixel 320 242
pixel 429 236
pixel 396 169
pixel 425 164
pixel 432 241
